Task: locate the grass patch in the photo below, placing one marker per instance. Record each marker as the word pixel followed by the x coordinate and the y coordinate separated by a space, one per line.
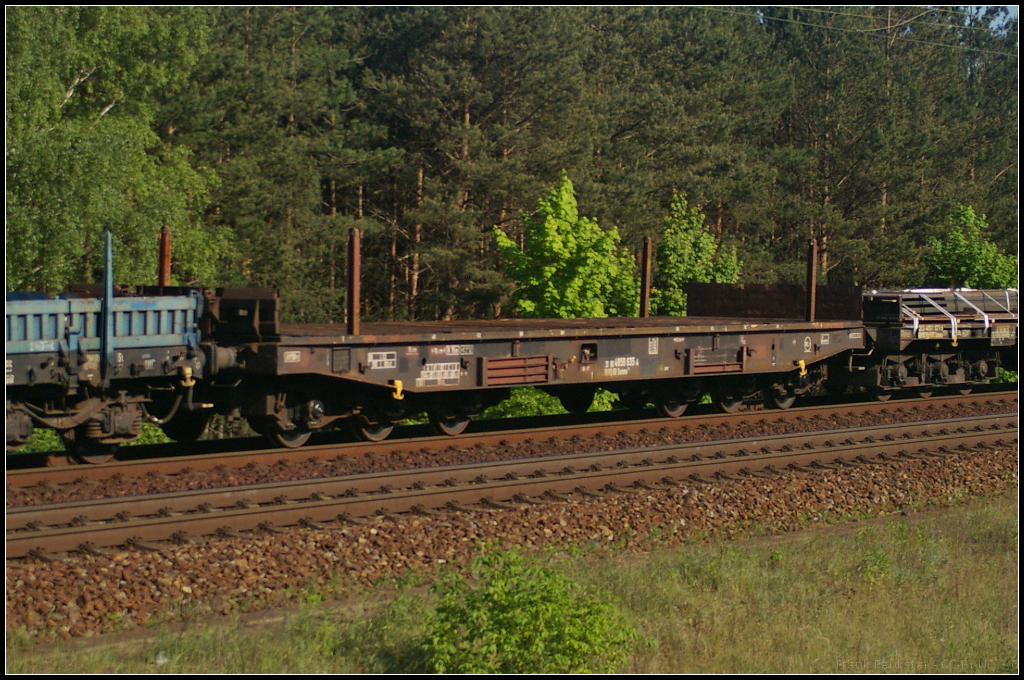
pixel 924 593
pixel 932 593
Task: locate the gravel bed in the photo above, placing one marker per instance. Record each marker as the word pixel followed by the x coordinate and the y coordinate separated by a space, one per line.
pixel 81 595
pixel 457 454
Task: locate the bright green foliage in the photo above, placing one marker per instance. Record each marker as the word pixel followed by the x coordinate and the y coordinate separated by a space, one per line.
pixel 1006 376
pixel 83 85
pixel 569 267
pixel 524 619
pixel 687 253
pixel 43 440
pixel 963 258
pixel 530 401
pixel 151 434
pixel 524 402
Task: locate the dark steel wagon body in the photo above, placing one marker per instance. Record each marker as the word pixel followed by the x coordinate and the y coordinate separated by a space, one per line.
pixel 463 355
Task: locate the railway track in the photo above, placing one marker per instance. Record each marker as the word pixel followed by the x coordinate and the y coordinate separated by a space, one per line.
pixel 434 445
pixel 92 525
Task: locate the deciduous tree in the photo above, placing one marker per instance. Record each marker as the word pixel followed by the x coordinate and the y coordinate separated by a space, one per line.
pixel 964 258
pixel 569 267
pixel 687 253
pixel 82 87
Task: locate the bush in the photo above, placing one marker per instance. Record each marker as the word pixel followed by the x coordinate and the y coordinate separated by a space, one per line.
pixel 524 619
pixel 530 401
pixel 44 440
pixel 525 401
pixel 964 258
pixel 1005 376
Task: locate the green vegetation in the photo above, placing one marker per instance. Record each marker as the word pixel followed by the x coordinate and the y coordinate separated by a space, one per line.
pixel 84 87
pixel 963 258
pixel 530 401
pixel 261 135
pixel 1006 376
pixel 568 267
pixel 687 253
pixel 523 619
pixel 936 590
pixel 43 440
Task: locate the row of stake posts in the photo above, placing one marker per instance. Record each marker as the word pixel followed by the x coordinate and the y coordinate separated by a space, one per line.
pixel 355 275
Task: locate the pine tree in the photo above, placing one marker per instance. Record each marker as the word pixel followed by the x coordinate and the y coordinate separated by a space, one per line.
pixel 478 98
pixel 272 109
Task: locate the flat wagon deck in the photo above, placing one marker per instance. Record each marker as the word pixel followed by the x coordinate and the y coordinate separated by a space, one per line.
pixel 482 354
pixel 295 378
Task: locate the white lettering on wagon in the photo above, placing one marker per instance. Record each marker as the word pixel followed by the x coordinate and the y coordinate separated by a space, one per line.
pixel 382 360
pixel 620 365
pixel 447 373
pixel 452 351
pixel 652 345
pixel 293 356
pixel 824 339
pixel 8 372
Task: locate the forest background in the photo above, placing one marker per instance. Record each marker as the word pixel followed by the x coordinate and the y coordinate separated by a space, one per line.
pixel 262 135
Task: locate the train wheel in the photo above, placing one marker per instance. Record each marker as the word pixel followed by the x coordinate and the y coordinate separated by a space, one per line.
pixel 672 409
pixel 924 392
pixel 449 424
pixel 577 400
pixel 727 403
pixel 775 400
pixel 880 394
pixel 188 426
pixel 964 390
pixel 291 439
pixel 87 450
pixel 371 431
pixel 95 454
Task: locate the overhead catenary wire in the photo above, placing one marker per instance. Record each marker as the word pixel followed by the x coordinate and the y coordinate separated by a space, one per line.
pixel 912 20
pixel 762 17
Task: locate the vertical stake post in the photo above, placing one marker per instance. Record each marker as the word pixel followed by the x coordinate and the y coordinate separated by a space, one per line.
pixel 645 280
pixel 107 309
pixel 812 279
pixel 354 275
pixel 163 274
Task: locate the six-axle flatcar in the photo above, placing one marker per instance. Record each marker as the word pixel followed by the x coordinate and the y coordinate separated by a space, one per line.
pixel 94 368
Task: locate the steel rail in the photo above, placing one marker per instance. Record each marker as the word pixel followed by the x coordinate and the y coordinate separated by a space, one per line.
pixel 101 509
pixel 441 487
